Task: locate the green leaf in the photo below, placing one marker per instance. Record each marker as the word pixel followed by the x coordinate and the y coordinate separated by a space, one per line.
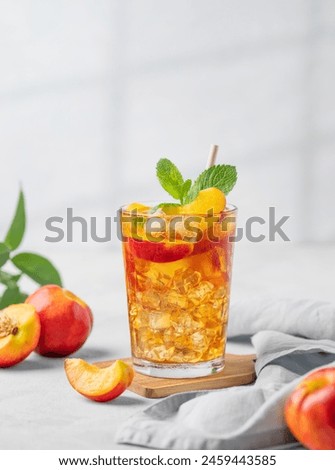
pixel 37 268
pixel 12 295
pixel 16 230
pixel 9 280
pixel 4 254
pixel 222 177
pixel 185 189
pixel 170 178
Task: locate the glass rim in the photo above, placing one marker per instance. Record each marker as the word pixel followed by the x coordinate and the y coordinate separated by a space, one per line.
pixel 229 209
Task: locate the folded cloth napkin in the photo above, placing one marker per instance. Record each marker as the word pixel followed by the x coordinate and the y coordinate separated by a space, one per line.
pixel 246 417
pixel 307 318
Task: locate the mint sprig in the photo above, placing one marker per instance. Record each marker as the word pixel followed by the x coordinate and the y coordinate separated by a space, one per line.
pixel 222 177
pixel 36 267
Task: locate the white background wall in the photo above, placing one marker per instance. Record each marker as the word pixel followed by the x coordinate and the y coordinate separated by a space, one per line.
pixel 94 92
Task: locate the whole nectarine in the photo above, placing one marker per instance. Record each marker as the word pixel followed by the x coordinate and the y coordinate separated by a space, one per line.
pixel 66 320
pixel 310 410
pixel 98 384
pixel 19 333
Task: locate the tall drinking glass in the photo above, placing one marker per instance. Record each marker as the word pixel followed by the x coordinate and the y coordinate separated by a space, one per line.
pixel 178 276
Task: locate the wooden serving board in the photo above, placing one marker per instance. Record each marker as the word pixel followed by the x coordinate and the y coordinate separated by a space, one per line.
pixel 239 370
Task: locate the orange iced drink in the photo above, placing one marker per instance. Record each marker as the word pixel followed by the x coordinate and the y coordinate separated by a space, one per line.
pixel 178 279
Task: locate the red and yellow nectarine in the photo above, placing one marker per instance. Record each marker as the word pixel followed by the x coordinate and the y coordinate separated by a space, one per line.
pixel 66 320
pixel 98 384
pixel 19 333
pixel 310 410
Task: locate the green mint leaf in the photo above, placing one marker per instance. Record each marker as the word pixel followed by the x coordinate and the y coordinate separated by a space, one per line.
pixel 4 254
pixel 16 230
pixel 37 268
pixel 222 177
pixel 12 295
pixel 170 178
pixel 185 189
pixel 9 280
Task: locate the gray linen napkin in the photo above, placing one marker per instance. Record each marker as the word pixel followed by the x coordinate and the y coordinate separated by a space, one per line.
pixel 248 417
pixel 308 318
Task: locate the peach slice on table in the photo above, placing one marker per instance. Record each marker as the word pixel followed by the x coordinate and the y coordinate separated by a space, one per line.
pixel 98 384
pixel 19 333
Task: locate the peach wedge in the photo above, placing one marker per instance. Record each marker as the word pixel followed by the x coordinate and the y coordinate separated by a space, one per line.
pixel 19 333
pixel 207 199
pixel 98 384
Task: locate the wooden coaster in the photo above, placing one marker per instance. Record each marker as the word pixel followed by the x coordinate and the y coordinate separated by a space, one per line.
pixel 239 370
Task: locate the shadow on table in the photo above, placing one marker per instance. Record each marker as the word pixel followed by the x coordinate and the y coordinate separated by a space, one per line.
pixel 125 401
pixel 242 339
pixel 93 354
pixel 38 363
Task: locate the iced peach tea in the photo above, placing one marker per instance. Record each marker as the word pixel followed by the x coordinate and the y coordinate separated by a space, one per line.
pixel 178 293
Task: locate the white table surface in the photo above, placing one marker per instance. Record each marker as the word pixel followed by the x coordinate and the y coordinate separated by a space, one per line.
pixel 38 408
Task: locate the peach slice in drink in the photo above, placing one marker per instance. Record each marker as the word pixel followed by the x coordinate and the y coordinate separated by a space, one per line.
pixel 160 252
